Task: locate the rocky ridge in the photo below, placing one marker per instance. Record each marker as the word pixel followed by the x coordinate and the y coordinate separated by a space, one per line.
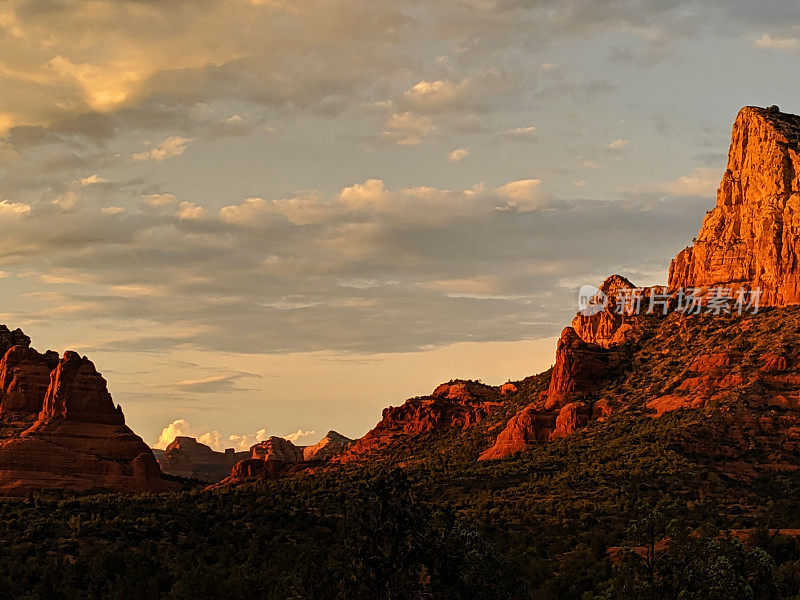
pixel 624 362
pixel 186 457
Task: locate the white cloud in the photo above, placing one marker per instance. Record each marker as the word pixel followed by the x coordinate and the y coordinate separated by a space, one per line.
pixel 210 437
pixel 436 96
pixel 169 148
pixel 245 213
pixel 618 145
pixel 245 441
pixel 458 155
pixel 178 428
pixel 14 208
pixel 159 200
pixel 113 210
pixel 370 194
pixel 702 181
pixel 67 200
pixel 408 129
pixel 523 196
pixel 93 179
pixel 189 211
pixel 786 44
pixel 297 435
pixel 521 133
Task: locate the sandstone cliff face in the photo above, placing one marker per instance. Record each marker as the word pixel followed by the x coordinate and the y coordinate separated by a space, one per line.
pixel 752 236
pixel 24 379
pixel 77 392
pixel 59 428
pixel 571 418
pixel 579 369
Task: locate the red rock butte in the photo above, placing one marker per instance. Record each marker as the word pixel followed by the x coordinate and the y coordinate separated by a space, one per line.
pixel 60 429
pixel 751 239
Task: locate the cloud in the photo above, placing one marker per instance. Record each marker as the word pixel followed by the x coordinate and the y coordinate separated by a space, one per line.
pixel 169 148
pixel 618 145
pixel 159 200
pixel 348 271
pixel 298 435
pixel 458 155
pixel 189 211
pixel 523 195
pixel 244 441
pixel 205 435
pixel 178 428
pixel 213 384
pixel 408 129
pixel 16 209
pixel 436 96
pixel 785 44
pixel 92 179
pixel 521 133
pixel 702 181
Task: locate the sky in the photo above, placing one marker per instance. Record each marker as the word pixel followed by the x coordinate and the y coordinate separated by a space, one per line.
pixel 272 217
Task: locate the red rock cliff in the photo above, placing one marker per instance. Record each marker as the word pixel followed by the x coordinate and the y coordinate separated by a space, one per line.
pixel 752 236
pixel 60 430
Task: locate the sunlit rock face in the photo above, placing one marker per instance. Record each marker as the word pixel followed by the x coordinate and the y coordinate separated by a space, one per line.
pixel 60 429
pixel 580 367
pixel 751 238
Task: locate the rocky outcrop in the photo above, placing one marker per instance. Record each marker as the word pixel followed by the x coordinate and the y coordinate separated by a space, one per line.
pixel 525 428
pixel 186 457
pixel 333 444
pixel 24 379
pixel 278 456
pixel 454 405
pixel 60 430
pixel 751 238
pixel 10 338
pixel 612 324
pixel 571 418
pixel 77 392
pixel 277 448
pixel 254 469
pixel 580 368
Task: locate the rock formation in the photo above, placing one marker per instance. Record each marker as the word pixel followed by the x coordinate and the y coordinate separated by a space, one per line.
pixel 24 379
pixel 186 457
pixel 276 457
pixel 610 325
pixel 333 444
pixel 277 448
pixel 454 405
pixel 580 368
pixel 525 428
pixel 571 417
pixel 751 238
pixel 59 428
